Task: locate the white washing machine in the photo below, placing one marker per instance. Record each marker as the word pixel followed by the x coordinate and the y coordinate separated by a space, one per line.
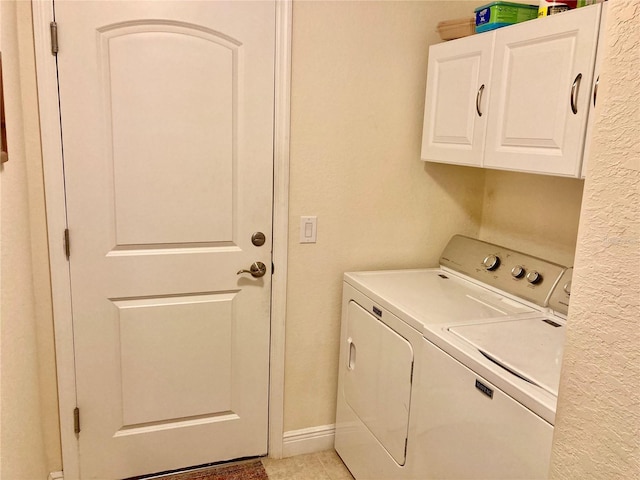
pixel 384 374
pixel 488 395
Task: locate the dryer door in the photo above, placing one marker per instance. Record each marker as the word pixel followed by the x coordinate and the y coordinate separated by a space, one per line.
pixel 377 383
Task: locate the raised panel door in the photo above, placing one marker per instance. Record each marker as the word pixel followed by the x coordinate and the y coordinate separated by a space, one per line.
pixel 542 73
pixel 456 102
pixel 167 129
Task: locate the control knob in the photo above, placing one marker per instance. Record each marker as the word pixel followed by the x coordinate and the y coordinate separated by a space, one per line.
pixel 567 288
pixel 534 277
pixel 491 262
pixel 518 271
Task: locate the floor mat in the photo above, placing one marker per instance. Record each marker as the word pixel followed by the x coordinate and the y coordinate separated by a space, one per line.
pixel 252 470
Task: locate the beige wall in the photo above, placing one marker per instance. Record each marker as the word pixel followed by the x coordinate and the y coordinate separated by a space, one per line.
pixel 537 214
pixel 359 73
pixel 39 243
pixel 29 439
pixel 598 426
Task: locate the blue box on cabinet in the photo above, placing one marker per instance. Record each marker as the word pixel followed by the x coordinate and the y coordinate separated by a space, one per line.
pixel 500 14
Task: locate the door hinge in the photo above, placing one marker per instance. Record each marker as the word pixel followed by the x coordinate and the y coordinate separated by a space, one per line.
pixel 53 27
pixel 67 244
pixel 76 420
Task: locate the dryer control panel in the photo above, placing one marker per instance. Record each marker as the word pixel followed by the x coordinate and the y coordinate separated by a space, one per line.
pixel 514 272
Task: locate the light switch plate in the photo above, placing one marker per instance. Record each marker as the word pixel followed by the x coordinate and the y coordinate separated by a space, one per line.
pixel 308 229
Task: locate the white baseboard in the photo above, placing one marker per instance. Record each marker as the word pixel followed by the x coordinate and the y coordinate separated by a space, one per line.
pixel 308 440
pixel 55 476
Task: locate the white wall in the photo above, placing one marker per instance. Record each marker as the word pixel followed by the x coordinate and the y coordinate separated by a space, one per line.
pixel 597 432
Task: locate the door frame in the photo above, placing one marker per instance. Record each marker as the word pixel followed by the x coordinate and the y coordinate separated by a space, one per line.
pixel 50 131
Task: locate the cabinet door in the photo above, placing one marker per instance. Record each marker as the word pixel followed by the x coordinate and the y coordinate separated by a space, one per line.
pixel 542 73
pixel 457 99
pixel 601 53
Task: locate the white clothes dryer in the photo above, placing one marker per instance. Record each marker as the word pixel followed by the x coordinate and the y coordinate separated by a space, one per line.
pixel 384 317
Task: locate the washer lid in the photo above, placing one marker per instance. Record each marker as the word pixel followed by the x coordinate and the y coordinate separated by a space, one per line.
pixel 433 296
pixel 530 349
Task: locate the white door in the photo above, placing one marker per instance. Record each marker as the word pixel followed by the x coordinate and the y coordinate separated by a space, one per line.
pixel 541 88
pixel 457 100
pixel 167 129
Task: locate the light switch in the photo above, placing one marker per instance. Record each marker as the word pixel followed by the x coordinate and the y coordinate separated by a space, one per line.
pixel 308 229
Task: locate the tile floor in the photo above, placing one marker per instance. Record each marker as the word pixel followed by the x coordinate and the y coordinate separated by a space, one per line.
pixel 313 466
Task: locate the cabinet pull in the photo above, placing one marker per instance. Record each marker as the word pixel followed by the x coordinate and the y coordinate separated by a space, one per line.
pixel 595 90
pixel 574 93
pixel 479 99
pixel 4 152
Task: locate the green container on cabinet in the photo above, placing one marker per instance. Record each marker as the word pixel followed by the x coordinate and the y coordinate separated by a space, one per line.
pixel 501 14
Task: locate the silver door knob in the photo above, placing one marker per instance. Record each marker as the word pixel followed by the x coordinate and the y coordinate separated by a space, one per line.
pixel 257 269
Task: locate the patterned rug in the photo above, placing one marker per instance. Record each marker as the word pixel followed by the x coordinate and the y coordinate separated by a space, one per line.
pixel 252 470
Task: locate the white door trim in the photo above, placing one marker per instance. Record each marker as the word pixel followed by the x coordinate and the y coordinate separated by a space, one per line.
pixel 56 219
pixel 56 223
pixel 280 224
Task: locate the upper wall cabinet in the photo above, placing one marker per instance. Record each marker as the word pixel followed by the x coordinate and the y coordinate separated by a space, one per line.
pixel 539 105
pixel 457 95
pixel 535 102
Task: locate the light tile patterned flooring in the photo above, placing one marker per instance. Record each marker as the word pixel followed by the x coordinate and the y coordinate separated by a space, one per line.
pixel 313 466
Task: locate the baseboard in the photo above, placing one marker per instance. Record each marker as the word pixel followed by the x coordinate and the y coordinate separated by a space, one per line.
pixel 55 476
pixel 308 440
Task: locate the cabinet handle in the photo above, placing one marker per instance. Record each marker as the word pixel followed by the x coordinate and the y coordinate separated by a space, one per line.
pixel 4 152
pixel 479 99
pixel 574 93
pixel 595 90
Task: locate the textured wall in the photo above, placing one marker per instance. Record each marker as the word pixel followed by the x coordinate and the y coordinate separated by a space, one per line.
pixel 598 429
pixel 359 74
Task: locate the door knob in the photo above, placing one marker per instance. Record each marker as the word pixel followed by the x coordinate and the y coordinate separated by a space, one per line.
pixel 257 269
